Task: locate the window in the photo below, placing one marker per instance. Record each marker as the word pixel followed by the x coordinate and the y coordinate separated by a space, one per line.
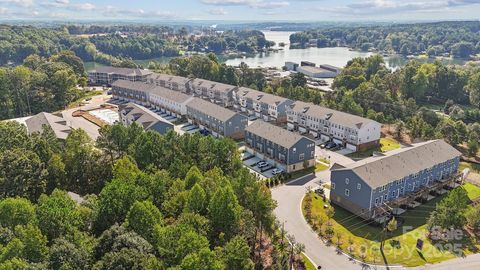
pixel 294 150
pixel 347 181
pixel 376 201
pixel 301 156
pixel 385 197
pixel 333 186
pixel 359 186
pixel 347 192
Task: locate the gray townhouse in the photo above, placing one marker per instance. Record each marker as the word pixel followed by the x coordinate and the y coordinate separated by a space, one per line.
pixel 354 132
pixel 262 105
pixel 280 147
pixel 137 92
pixel 218 93
pixel 133 113
pixel 107 75
pixel 390 182
pixel 221 122
pixel 172 82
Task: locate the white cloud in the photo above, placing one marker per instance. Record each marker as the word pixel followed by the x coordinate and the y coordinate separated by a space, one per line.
pixel 218 11
pixel 111 11
pixel 83 6
pixel 20 3
pixel 261 4
pixel 270 5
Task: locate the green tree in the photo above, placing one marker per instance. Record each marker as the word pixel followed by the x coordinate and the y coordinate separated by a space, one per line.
pixel 236 254
pixel 450 211
pixel 196 200
pixel 34 243
pixel 16 211
pixel 473 88
pixel 203 259
pixel 224 211
pixel 57 214
pixel 142 219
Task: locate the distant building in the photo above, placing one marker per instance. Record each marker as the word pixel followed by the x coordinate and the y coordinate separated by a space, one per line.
pixel 221 122
pixel 262 105
pixel 148 120
pixel 280 147
pixel 307 64
pixel 317 72
pixel 354 132
pixel 168 101
pixel 218 93
pixel 107 75
pixel 376 186
pixel 331 68
pixel 172 82
pixel 291 66
pixel 38 122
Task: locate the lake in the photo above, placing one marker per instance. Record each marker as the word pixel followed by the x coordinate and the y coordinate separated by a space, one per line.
pixel 336 56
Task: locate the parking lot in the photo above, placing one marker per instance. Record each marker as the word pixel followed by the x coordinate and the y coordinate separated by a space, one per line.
pixel 251 162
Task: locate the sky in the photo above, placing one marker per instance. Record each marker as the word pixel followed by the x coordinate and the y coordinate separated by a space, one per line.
pixel 241 10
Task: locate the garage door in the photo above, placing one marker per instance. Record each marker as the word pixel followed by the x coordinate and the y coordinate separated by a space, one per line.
pixel 351 147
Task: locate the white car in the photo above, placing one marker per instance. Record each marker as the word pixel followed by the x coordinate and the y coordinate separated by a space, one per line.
pixel 277 171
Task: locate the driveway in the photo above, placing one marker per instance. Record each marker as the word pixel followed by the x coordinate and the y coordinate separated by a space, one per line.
pixel 289 197
pixel 334 157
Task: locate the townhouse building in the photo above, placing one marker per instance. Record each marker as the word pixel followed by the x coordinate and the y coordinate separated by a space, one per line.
pixel 374 186
pixel 137 92
pixel 168 101
pixel 215 92
pixel 107 75
pixel 172 82
pixel 262 105
pixel 354 132
pixel 133 113
pixel 279 147
pixel 221 122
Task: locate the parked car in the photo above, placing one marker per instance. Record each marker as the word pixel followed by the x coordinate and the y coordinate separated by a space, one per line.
pixel 277 171
pixel 330 145
pixel 262 165
pixel 323 145
pixel 260 161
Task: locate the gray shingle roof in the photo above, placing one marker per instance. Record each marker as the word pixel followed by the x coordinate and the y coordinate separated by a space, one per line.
pixel 216 86
pixel 58 124
pixel 338 117
pixel 153 89
pixel 399 163
pixel 169 78
pixel 275 134
pixel 260 96
pixel 211 109
pixel 145 117
pixel 122 71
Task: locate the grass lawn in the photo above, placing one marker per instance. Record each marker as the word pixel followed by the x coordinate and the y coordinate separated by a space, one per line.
pixel 320 167
pixel 86 95
pixel 386 144
pixel 324 160
pixel 360 233
pixel 308 263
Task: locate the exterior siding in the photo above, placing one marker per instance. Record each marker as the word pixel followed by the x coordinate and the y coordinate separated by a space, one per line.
pixel 368 198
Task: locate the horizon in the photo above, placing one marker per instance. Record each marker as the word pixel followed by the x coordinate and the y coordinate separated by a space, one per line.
pixel 253 11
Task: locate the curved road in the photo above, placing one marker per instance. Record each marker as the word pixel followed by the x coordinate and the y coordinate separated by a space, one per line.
pixel 288 212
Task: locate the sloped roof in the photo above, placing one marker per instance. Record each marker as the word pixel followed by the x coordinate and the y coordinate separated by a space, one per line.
pixel 122 71
pixel 399 163
pixel 260 96
pixel 211 109
pixel 144 117
pixel 153 89
pixel 169 78
pixel 342 118
pixel 275 134
pixel 216 86
pixel 58 124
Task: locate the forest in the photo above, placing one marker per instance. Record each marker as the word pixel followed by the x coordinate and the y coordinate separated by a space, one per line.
pixel 41 84
pixel 458 39
pixel 119 45
pixel 144 201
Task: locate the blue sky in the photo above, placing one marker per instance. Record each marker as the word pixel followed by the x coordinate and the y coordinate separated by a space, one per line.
pixel 244 10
